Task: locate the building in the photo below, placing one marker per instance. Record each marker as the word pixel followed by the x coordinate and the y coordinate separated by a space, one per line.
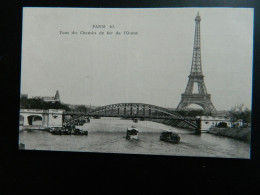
pixel 53 99
pixel 209 121
pixel 40 119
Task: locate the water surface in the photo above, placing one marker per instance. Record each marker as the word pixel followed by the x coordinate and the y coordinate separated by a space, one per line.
pixel 108 135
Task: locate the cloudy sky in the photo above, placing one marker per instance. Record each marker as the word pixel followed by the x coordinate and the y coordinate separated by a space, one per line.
pixel 149 67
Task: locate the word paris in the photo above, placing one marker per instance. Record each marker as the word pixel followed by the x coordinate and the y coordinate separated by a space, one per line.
pixel 102 26
pixel 92 32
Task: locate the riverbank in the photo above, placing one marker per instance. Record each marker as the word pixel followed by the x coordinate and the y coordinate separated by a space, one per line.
pixel 243 134
pixel 32 127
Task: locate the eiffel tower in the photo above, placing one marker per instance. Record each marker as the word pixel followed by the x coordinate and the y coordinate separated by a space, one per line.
pixel 202 98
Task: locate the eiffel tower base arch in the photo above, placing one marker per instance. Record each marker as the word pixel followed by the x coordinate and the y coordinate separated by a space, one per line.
pixel 201 100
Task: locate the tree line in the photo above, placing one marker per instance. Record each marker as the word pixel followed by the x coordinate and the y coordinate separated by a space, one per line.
pixel 240 112
pixel 37 103
pixel 236 113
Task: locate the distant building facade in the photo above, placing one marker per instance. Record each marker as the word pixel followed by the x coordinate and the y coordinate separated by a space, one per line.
pixel 210 121
pixel 42 118
pixel 55 98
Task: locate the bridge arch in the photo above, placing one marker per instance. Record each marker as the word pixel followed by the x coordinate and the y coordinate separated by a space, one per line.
pixel 140 108
pixel 202 105
pixel 137 110
pixel 27 119
pixel 32 118
pixel 194 106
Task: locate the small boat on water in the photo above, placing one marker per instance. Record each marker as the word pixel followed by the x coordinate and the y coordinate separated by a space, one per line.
pixel 135 120
pixel 170 136
pixel 69 130
pixel 132 133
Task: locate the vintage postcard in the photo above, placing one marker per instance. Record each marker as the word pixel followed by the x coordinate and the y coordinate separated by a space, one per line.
pixel 152 81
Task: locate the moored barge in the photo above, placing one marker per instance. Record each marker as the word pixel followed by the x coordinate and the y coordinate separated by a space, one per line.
pixel 67 130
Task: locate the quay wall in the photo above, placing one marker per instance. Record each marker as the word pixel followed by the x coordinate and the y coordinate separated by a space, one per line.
pixel 32 127
pixel 243 134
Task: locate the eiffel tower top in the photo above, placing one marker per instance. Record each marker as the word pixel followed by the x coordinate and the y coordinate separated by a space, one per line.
pixel 198 19
pixel 196 69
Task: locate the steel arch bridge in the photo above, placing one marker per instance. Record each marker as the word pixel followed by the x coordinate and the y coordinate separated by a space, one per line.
pixel 139 109
pixel 136 110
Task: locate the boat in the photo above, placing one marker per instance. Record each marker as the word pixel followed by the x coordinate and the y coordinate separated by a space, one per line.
pixel 135 120
pixel 132 133
pixel 170 136
pixel 55 130
pixel 67 130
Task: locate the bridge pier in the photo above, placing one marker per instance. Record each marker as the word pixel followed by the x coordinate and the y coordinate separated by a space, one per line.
pixel 131 108
pixel 118 110
pixel 150 111
pixel 137 110
pixel 198 129
pixel 143 109
pixel 125 110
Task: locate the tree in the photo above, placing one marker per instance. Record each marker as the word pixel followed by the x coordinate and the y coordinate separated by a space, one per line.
pixel 37 103
pixel 240 112
pixel 82 108
pixel 23 102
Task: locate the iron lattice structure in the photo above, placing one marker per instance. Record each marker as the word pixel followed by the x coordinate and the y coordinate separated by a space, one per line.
pixel 135 110
pixel 202 98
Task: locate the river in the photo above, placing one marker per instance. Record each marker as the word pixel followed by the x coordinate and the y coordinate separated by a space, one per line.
pixel 107 135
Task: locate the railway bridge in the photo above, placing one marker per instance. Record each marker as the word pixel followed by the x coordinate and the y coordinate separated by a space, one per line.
pixel 140 111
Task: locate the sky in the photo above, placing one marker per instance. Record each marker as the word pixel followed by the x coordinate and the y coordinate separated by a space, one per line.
pixel 151 66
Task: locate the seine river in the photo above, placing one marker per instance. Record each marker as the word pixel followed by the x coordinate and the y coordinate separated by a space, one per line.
pixel 107 135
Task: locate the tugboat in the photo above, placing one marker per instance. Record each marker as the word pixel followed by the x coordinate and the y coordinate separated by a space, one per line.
pixel 170 136
pixel 132 133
